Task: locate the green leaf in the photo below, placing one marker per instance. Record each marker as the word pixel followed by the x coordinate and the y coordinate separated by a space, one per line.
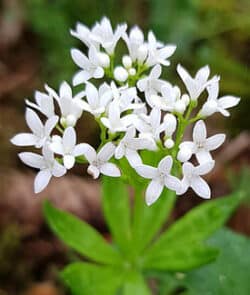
pixel 181 258
pixel 229 274
pixel 87 279
pixel 149 220
pixel 116 207
pixel 80 236
pixel 197 225
pixel 135 284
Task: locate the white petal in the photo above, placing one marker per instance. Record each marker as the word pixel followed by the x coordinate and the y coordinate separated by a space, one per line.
pixel 201 188
pixel 92 95
pixel 188 169
pixel 93 171
pixel 31 159
pixel 172 183
pixel 228 101
pixel 50 125
pixel 24 139
pixel 80 149
pixel 110 169
pixel 213 142
pixel 41 181
pixel 119 151
pixel 98 73
pixel 57 147
pixel 155 72
pixel 68 161
pixel 34 122
pixel 106 152
pixel 165 164
pixel 199 132
pixel 184 186
pixel 89 153
pixel 153 192
pixel 79 58
pixel 58 169
pixel 133 158
pixel 69 139
pixel 202 75
pixel 81 77
pixel 204 168
pixel 146 171
pixel 203 156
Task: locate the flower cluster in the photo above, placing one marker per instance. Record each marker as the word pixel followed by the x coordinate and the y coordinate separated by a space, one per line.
pixel 136 110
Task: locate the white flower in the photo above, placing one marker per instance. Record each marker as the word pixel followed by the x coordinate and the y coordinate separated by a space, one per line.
pixel 99 161
pixel 160 178
pixel 91 66
pixel 157 53
pixel 150 126
pixel 70 107
pixel 196 85
pixel 44 104
pixel 47 164
pixel 67 147
pixel 40 133
pixel 103 34
pixel 129 145
pixel 192 179
pixel 151 84
pixel 114 122
pixel 201 145
pixel 215 104
pixel 97 100
pixel 135 44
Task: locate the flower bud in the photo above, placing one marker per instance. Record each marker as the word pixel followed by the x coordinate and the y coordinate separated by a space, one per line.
pixel 70 120
pixel 142 53
pixel 169 143
pixel 184 154
pixel 208 108
pixel 104 59
pixel 120 74
pixel 132 71
pixel 180 107
pixel 170 124
pixel 185 98
pixel 127 61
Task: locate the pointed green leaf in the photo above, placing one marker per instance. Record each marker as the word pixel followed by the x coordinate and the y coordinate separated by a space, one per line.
pixel 198 224
pixel 87 279
pixel 80 236
pixel 116 207
pixel 135 284
pixel 181 258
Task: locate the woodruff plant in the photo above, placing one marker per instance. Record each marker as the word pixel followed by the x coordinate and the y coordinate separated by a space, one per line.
pixel 142 120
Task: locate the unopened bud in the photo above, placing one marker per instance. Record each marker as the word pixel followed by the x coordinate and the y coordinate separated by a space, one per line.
pixel 169 143
pixel 142 53
pixel 127 61
pixel 185 98
pixel 170 124
pixel 180 107
pixel 132 71
pixel 104 59
pixel 184 154
pixel 120 74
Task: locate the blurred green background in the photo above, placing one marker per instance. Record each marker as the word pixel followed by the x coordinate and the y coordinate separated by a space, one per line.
pixel 35 48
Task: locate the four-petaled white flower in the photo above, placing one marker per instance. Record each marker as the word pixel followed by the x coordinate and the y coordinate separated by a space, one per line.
pixel 67 147
pixel 103 34
pixel 201 145
pixel 97 100
pixel 192 178
pixel 99 161
pixel 215 104
pixel 150 126
pixel 195 86
pixel 152 83
pixel 129 145
pixel 161 178
pixel 114 122
pixel 157 52
pixel 40 133
pixel 47 164
pixel 91 66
